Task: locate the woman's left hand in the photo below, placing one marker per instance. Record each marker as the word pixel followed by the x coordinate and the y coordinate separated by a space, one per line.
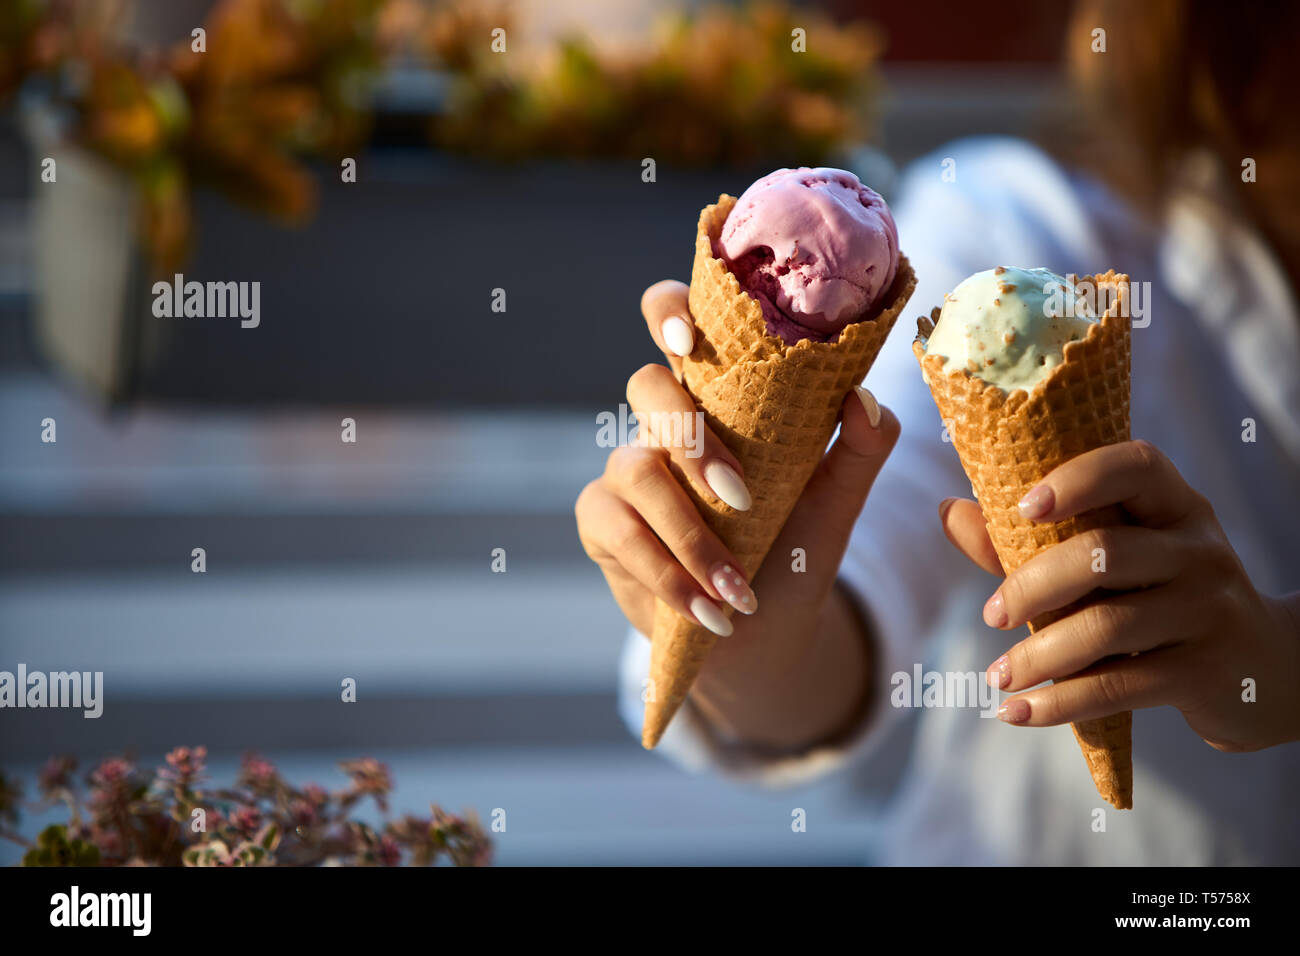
pixel 1180 620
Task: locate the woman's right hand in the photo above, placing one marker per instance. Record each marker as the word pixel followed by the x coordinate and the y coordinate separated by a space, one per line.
pixel 638 524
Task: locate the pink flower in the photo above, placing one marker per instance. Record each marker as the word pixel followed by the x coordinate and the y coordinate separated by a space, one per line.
pixel 185 765
pixel 110 783
pixel 303 813
pixel 257 773
pixel 246 820
pixel 56 774
pixel 112 772
pixel 388 852
pixel 138 817
pixel 369 777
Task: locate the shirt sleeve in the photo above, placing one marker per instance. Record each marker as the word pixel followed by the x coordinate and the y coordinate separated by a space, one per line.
pixel 898 564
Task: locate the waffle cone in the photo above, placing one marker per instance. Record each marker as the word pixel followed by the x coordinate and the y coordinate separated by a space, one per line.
pixel 1008 443
pixel 775 407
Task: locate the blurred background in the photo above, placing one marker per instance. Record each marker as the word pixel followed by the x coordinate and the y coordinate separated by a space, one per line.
pixel 475 171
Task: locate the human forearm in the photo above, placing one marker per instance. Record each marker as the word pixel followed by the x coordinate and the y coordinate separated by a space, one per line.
pixel 787 696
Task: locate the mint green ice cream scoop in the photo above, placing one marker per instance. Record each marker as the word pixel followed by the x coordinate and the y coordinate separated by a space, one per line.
pixel 1010 326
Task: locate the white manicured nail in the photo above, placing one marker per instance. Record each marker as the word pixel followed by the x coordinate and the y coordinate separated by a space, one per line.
pixel 677 335
pixel 733 588
pixel 870 404
pixel 708 614
pixel 726 484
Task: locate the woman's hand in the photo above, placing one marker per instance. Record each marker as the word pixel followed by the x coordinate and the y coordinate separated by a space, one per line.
pixel 796 670
pixel 1183 625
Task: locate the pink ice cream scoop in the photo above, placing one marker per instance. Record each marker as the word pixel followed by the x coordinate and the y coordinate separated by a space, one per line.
pixel 815 247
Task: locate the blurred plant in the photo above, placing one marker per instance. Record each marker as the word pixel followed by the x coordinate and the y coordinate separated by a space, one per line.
pixel 279 79
pixel 130 817
pixel 276 82
pixel 284 80
pixel 28 42
pixel 722 86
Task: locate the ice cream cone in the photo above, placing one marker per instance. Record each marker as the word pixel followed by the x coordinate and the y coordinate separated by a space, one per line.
pixel 1008 443
pixel 775 406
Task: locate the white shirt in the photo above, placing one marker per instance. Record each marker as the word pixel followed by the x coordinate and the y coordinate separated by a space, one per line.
pixel 1222 346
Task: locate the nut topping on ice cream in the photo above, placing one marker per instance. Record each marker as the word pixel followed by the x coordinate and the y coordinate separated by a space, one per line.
pixel 815 247
pixel 1010 326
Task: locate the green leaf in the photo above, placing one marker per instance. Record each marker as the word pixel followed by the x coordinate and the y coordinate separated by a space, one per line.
pixel 53 848
pixel 270 837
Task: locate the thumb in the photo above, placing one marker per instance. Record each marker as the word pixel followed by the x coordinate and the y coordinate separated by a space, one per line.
pixel 822 520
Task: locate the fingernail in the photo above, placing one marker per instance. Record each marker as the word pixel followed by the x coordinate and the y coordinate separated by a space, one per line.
pixel 731 585
pixel 677 335
pixel 708 614
pixel 1014 711
pixel 726 484
pixel 870 404
pixel 1037 503
pixel 999 673
pixel 995 611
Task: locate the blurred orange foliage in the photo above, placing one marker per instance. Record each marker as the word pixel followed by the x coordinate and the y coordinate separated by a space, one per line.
pixel 276 82
pixel 725 85
pixel 280 81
